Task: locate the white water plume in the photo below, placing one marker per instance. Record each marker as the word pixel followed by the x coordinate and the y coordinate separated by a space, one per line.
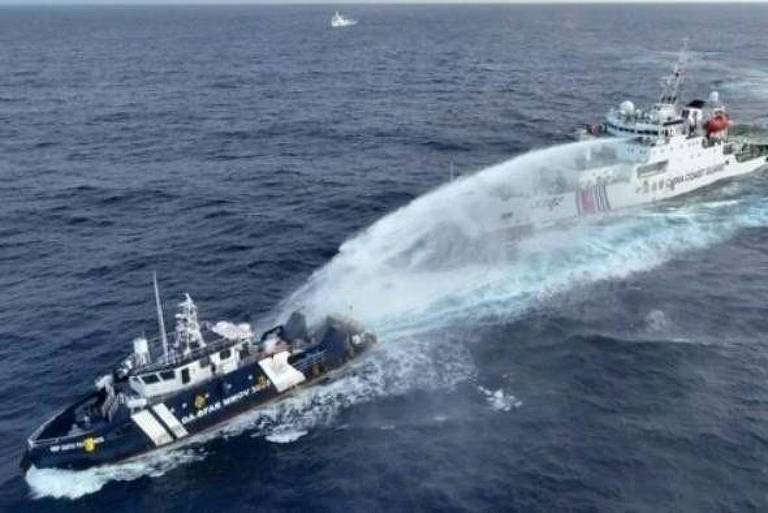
pixel 441 260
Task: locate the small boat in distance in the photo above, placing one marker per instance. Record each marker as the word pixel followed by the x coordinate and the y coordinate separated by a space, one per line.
pixel 339 21
pixel 199 377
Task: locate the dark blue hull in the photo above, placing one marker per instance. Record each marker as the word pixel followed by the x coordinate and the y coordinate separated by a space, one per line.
pixel 177 417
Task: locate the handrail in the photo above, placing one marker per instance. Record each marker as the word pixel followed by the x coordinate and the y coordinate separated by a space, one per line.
pixel 173 359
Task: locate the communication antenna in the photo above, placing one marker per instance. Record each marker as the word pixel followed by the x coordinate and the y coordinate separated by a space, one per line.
pixel 670 84
pixel 160 321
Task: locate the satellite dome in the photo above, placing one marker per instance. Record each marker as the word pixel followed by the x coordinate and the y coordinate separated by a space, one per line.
pixel 627 107
pixel 714 97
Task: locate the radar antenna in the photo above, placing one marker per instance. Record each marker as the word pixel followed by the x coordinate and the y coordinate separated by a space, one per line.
pixel 188 334
pixel 670 85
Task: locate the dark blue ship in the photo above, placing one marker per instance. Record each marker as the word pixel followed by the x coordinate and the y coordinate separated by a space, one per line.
pixel 206 375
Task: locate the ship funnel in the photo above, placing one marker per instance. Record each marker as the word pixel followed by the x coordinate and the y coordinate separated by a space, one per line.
pixel 140 351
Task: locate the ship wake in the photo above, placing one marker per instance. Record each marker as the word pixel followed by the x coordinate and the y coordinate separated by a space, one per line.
pixel 424 275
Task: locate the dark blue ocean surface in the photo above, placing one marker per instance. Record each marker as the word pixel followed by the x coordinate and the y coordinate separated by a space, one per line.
pixel 618 365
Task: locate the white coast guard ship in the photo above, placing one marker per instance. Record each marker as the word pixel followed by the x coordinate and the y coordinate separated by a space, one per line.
pixel 164 393
pixel 665 151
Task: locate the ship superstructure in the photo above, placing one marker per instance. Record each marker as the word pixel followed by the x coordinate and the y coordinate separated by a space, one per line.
pixel 170 389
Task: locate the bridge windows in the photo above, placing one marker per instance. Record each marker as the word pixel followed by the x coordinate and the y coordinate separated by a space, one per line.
pixel 150 379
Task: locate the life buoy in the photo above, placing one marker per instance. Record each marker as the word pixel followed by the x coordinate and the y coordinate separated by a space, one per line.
pixel 716 124
pixel 89 444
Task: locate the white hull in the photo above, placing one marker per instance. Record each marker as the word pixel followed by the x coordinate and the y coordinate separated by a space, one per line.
pixel 590 198
pixel 346 23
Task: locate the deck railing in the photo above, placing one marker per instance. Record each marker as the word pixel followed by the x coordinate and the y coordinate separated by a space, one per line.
pixel 173 358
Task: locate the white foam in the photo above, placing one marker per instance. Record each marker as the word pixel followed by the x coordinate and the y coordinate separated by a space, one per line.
pixel 73 484
pixel 285 436
pixel 500 401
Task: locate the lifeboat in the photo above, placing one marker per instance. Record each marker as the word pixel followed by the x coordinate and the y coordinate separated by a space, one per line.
pixel 717 123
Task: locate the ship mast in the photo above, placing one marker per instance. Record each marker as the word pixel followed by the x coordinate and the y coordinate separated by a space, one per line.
pixel 670 85
pixel 160 321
